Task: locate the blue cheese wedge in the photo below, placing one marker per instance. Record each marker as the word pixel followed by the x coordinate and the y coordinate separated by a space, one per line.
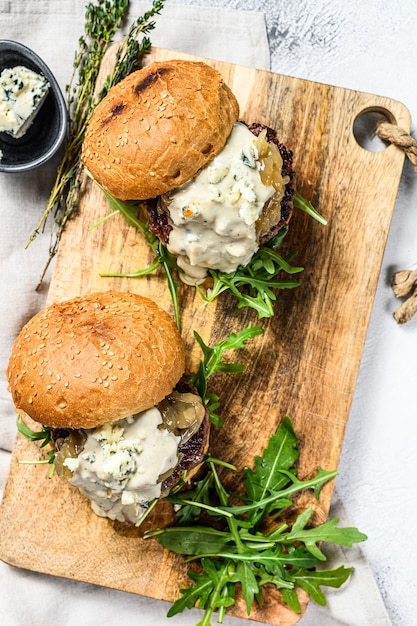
pixel 22 93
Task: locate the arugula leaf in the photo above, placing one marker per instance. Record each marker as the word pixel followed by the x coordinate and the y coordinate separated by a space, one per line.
pixel 310 581
pixel 213 362
pixel 326 532
pixel 253 285
pixel 131 211
pixel 236 549
pixel 250 587
pixel 44 436
pixel 306 206
pixel 280 454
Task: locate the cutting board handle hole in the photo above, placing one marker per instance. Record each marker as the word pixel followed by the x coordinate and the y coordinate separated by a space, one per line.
pixel 365 125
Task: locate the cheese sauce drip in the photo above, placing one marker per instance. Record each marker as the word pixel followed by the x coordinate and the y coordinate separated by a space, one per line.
pixel 214 214
pixel 120 465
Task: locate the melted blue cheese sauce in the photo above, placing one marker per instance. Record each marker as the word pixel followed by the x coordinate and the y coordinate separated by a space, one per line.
pixel 120 467
pixel 22 93
pixel 214 214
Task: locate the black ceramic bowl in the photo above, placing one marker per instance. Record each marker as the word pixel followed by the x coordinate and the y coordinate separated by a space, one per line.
pixel 48 129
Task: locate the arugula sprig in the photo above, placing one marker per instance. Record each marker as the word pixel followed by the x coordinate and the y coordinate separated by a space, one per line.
pixel 301 203
pixel 132 212
pixel 213 361
pixel 239 551
pixel 253 285
pixel 43 436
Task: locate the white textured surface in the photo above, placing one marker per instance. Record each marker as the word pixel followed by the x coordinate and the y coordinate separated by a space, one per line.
pixel 370 47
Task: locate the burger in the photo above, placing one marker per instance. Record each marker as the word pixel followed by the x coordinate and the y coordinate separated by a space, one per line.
pixel 214 187
pixel 105 373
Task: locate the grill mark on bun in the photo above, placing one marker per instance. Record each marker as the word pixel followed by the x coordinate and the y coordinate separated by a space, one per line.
pixel 149 80
pixel 177 117
pixel 115 111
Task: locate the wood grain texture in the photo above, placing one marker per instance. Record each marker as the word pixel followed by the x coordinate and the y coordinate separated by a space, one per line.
pixel 304 365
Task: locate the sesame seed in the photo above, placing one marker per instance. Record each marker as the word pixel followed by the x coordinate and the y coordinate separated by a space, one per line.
pixel 62 405
pixel 77 375
pixel 106 384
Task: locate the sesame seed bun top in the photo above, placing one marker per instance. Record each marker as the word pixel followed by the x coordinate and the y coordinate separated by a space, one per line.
pixel 157 127
pixel 94 359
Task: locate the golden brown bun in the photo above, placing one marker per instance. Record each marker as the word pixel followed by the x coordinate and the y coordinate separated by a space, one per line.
pixel 157 127
pixel 94 359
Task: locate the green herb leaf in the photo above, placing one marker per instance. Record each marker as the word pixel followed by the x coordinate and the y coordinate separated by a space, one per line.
pixel 280 454
pixel 311 581
pixel 236 550
pixel 131 211
pixel 44 436
pixel 213 362
pixel 254 284
pixel 306 206
pixel 250 586
pixel 328 531
pixel 194 540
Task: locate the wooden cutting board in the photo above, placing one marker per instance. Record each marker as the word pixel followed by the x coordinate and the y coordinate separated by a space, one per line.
pixel 304 365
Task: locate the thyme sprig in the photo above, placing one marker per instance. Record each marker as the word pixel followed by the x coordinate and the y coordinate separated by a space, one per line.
pixel 102 21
